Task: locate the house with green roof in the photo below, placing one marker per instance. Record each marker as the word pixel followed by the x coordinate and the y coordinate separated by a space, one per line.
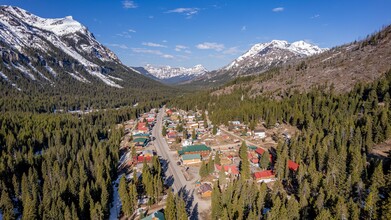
pixel 155 216
pixel 252 147
pixel 191 158
pixel 140 142
pixel 141 135
pixel 201 149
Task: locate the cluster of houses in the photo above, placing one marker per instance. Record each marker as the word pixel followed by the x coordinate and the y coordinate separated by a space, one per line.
pixel 193 151
pixel 177 121
pixel 238 127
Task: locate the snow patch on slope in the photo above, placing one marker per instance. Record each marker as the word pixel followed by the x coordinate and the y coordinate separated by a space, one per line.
pixel 166 72
pixel 78 77
pixel 4 76
pixel 105 79
pixel 300 48
pixel 24 71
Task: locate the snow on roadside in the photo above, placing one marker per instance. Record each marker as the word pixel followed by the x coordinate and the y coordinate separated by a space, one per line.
pixel 116 204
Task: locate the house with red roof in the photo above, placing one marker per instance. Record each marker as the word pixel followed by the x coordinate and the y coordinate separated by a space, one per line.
pixel 265 176
pixel 142 127
pixel 259 151
pixel 169 112
pixel 141 158
pixel 292 165
pixel 229 169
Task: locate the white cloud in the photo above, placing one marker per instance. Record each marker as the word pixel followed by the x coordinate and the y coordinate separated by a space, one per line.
pixel 179 48
pixel 153 52
pixel 188 51
pixel 126 34
pixel 122 46
pixel 232 51
pixel 129 4
pixel 151 17
pixel 189 12
pixel 279 9
pixel 150 44
pixel 315 16
pixel 168 56
pixel 210 46
pixel 147 51
pixel 244 28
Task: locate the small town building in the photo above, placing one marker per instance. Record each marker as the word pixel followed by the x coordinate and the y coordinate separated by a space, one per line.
pixel 155 216
pixel 292 165
pixel 229 169
pixel 259 151
pixel 171 135
pixel 259 133
pixel 201 149
pixel 235 122
pixel 265 176
pixel 140 142
pixel 205 190
pixel 140 135
pixel 169 112
pixel 191 158
pixel 252 148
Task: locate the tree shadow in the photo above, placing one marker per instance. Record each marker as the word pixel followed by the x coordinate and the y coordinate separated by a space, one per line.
pixel 188 197
pixel 194 213
pixel 169 181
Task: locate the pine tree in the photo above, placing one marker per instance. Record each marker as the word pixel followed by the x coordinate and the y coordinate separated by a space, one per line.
pixel 265 160
pixel 133 197
pixel 181 209
pixel 216 202
pixel 324 215
pixel 210 165
pixel 170 211
pixel 377 179
pixel 222 177
pixel 293 208
pixel 193 135
pixel 203 170
pixel 244 164
pixel 164 131
pixel 214 130
pixel 217 159
pixel 370 203
pixel 124 196
pixel 6 205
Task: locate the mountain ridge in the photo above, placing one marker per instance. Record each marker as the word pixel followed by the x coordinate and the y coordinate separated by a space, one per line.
pixel 172 75
pixel 339 68
pixel 258 59
pixel 44 50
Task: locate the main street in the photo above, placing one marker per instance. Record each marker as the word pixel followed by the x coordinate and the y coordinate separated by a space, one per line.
pixel 173 170
pixel 163 150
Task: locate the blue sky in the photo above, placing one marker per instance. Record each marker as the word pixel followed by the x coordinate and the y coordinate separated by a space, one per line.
pixel 212 32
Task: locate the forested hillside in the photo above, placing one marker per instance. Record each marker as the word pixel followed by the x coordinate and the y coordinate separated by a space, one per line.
pixel 336 177
pixel 341 67
pixel 59 166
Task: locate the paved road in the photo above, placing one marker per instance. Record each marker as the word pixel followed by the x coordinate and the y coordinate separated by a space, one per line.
pixel 163 150
pixel 174 171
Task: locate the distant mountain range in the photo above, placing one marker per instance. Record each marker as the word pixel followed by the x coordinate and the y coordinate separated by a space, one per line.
pixel 54 52
pixel 340 68
pixel 172 75
pixel 260 58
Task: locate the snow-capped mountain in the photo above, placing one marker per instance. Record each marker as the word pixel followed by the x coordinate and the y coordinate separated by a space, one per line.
pixel 46 50
pixel 172 75
pixel 260 58
pixel 266 55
